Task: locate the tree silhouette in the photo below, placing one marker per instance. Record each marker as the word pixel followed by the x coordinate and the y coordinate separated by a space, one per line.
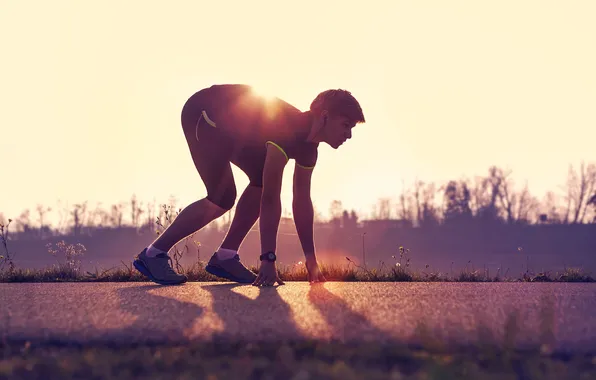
pixel 592 202
pixel 136 209
pixel 335 212
pixel 579 188
pixel 78 217
pixel 457 203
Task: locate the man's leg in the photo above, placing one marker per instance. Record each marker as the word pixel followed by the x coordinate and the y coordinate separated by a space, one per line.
pixel 153 261
pixel 190 220
pixel 216 172
pixel 226 261
pixel 211 153
pixel 245 217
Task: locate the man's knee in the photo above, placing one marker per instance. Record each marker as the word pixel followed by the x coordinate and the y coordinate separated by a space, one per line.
pixel 256 181
pixel 225 199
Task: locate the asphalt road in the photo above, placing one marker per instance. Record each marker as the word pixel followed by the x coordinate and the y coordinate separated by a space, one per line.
pixel 454 312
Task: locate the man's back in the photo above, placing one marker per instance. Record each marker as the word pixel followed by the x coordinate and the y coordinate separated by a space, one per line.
pixel 245 115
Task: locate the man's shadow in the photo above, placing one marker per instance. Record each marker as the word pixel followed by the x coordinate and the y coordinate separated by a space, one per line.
pixel 269 317
pixel 161 319
pixel 344 323
pixel 158 319
pixel 265 318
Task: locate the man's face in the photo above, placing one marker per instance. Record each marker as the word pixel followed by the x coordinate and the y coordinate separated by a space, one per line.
pixel 337 129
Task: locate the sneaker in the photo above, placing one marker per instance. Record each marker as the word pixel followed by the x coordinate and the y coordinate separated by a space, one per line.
pixel 158 268
pixel 231 269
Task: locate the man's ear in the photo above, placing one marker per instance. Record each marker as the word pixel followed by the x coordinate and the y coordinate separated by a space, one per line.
pixel 325 116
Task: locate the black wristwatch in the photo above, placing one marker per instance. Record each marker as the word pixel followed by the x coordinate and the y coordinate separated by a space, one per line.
pixel 269 256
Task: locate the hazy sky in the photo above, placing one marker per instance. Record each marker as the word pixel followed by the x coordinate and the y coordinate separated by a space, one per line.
pixel 91 92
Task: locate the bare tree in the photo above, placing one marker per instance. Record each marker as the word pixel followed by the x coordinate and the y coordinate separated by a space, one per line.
pixel 150 221
pixel 506 194
pixel 406 205
pixel 526 206
pixel 591 202
pixel 117 215
pixel 418 187
pixel 550 209
pixel 456 203
pixel 354 218
pixel 383 209
pixel 487 204
pixel 23 223
pixel 580 186
pixel 430 212
pixel 41 210
pixel 78 216
pixel 135 211
pixel 480 195
pixel 99 217
pixel 317 216
pixel 349 220
pixel 335 210
pixel 515 206
pixel 64 213
pixel 335 213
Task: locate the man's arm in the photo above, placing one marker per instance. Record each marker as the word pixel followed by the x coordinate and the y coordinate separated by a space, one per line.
pixel 303 209
pixel 304 220
pixel 270 214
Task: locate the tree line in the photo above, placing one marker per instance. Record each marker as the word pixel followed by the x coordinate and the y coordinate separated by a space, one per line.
pixel 488 200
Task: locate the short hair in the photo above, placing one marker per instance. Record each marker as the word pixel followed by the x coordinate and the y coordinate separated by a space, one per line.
pixel 338 102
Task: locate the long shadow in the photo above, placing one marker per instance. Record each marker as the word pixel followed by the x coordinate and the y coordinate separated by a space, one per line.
pixel 345 324
pixel 266 318
pixel 159 319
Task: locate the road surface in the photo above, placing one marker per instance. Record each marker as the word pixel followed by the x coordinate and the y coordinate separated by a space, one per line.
pixel 457 313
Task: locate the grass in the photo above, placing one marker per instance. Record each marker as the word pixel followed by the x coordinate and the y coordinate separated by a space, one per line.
pixel 347 273
pixel 283 360
pixel 69 270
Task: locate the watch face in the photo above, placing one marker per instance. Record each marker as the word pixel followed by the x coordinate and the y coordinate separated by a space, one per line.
pixel 271 256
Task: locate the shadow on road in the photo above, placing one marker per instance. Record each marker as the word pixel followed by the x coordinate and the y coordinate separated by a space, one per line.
pixel 345 323
pixel 158 318
pixel 267 317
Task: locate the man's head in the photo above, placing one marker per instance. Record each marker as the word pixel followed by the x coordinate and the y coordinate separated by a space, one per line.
pixel 335 113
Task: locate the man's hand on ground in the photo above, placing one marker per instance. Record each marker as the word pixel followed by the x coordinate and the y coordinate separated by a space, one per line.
pixel 267 275
pixel 314 273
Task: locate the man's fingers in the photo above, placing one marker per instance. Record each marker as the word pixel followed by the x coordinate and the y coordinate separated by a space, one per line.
pixel 258 280
pixel 279 281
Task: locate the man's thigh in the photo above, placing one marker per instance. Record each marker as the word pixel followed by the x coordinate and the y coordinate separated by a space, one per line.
pixel 211 153
pixel 251 161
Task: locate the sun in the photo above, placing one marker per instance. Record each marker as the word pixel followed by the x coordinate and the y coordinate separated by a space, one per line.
pixel 265 90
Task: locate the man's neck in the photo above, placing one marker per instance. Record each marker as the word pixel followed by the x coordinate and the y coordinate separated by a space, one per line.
pixel 312 132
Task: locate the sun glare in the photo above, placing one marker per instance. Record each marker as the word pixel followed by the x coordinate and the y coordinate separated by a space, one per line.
pixel 267 92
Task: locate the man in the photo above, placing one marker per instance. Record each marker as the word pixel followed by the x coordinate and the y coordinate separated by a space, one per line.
pixel 232 124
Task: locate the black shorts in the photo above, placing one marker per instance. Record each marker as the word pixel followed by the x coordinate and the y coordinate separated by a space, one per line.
pixel 214 149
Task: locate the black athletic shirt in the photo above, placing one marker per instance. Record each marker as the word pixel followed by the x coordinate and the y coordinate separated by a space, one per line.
pixel 253 121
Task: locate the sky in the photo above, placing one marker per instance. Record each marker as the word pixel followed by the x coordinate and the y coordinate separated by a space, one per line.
pixel 91 92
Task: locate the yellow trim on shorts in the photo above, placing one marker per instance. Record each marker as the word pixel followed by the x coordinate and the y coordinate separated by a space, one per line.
pixel 278 147
pixel 305 167
pixel 211 122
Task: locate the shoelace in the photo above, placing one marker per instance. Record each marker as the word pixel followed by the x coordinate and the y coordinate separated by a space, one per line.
pixel 168 268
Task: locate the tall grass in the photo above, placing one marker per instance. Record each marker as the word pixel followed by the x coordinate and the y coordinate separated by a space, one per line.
pixel 68 267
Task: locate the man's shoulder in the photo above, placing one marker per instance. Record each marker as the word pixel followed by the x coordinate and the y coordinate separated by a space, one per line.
pixel 230 89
